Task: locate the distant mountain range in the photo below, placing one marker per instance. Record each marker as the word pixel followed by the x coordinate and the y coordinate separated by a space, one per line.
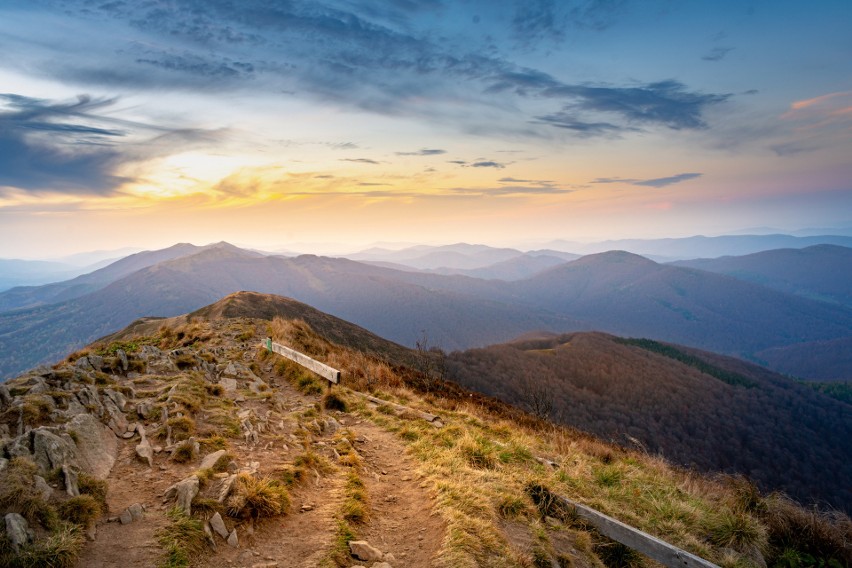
pixel 616 292
pixel 820 272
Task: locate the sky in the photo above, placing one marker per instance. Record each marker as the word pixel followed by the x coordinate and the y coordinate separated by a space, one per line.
pixel 345 123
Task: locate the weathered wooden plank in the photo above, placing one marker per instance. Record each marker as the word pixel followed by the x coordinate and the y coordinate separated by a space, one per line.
pixel 651 546
pixel 321 369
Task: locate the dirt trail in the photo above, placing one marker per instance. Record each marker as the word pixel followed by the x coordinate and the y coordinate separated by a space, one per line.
pixel 401 520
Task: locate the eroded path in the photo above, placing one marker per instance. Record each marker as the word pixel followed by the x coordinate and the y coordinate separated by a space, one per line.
pixel 400 521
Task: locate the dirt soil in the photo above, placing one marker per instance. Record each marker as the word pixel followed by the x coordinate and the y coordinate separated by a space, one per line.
pixel 401 521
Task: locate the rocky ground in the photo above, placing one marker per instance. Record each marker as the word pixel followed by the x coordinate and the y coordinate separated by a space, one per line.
pixel 152 423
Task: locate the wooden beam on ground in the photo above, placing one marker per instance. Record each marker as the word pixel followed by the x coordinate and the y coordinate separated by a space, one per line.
pixel 328 373
pixel 656 549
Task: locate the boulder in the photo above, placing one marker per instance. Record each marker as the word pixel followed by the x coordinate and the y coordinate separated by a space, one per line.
pixel 145 452
pixel 89 398
pixel 233 540
pixel 122 357
pixel 118 398
pixel 228 385
pixel 71 481
pixel 96 445
pixel 210 459
pixel 362 550
pixel 45 490
pixel 17 531
pixel 114 406
pixel 183 492
pixel 5 396
pixel 51 451
pixel 218 525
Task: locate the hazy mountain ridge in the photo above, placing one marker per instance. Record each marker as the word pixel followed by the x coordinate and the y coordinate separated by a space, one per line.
pixel 820 272
pixel 618 292
pixel 31 296
pixel 367 295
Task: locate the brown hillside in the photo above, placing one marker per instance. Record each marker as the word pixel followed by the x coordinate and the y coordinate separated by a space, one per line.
pixel 751 421
pixel 301 473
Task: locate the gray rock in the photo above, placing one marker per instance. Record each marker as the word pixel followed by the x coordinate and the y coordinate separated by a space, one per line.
pixel 136 511
pixel 145 452
pixel 218 525
pixel 116 397
pixel 96 361
pixel 38 386
pixel 233 540
pixel 71 481
pixel 75 408
pixel 89 398
pixel 84 364
pixel 149 352
pixel 5 396
pixel 122 356
pixel 331 425
pixel 125 518
pixel 362 550
pixel 51 451
pixel 228 385
pixel 42 487
pixel 210 459
pixel 3 464
pixel 17 530
pixel 183 492
pixel 96 446
pixel 226 487
pixel 117 422
pixel 143 409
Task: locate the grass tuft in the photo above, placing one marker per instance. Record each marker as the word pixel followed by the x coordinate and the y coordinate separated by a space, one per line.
pixel 258 497
pixel 183 539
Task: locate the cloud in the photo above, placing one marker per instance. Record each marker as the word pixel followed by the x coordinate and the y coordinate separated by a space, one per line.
pixel 582 129
pixel 49 145
pixel 511 190
pixel 655 182
pixel 515 180
pixel 360 160
pixel 664 181
pixel 423 152
pixel 459 162
pixel 72 147
pixel 371 56
pixel 664 103
pixel 717 53
pixel 487 164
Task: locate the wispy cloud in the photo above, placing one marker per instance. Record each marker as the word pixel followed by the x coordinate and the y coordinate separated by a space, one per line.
pixel 360 160
pixel 74 147
pixel 423 152
pixel 654 182
pixel 372 56
pixel 717 54
pixel 487 164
